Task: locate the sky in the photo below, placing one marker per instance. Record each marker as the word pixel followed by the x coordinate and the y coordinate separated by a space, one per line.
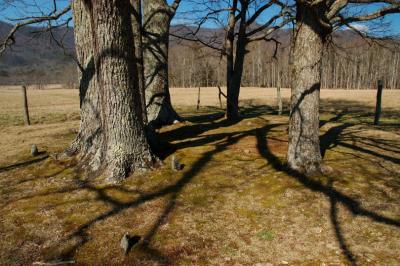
pixel 17 9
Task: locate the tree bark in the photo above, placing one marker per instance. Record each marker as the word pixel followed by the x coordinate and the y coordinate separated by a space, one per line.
pixel 88 140
pixel 138 41
pixel 157 19
pixel 112 136
pixel 306 55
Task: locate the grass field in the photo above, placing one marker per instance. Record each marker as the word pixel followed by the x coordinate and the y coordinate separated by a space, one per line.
pixel 234 203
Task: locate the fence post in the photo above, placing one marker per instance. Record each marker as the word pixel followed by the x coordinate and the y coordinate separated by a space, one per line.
pixel 278 92
pixel 198 100
pixel 378 108
pixel 26 108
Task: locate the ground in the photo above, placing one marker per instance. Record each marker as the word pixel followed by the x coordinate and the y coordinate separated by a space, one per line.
pixel 234 202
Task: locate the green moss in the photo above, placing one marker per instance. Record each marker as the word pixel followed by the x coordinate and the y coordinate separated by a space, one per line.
pixel 265 235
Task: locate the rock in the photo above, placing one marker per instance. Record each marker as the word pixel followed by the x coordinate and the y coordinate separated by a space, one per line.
pixel 34 150
pixel 125 243
pixel 128 242
pixel 326 170
pixel 175 164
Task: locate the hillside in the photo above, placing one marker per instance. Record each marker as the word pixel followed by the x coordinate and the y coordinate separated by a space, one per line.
pixel 36 58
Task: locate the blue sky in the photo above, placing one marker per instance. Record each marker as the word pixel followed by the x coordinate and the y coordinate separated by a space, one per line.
pixel 36 7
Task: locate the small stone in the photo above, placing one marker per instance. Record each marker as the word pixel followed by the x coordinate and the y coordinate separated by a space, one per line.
pixel 175 164
pixel 125 243
pixel 326 170
pixel 34 150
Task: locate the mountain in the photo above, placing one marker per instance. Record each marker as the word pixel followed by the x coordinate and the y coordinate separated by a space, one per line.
pixel 36 58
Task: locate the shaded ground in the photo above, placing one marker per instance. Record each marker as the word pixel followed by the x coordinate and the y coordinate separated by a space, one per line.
pixel 234 203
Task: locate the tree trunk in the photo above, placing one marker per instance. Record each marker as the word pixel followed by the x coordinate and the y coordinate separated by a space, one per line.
pixel 306 55
pixel 118 144
pixel 88 140
pixel 235 64
pixel 157 19
pixel 138 41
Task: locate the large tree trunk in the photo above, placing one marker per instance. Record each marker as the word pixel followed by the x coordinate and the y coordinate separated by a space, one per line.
pixel 88 140
pixel 306 56
pixel 157 19
pixel 121 145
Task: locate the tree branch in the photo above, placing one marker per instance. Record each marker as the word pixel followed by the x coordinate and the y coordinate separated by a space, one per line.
pixel 10 38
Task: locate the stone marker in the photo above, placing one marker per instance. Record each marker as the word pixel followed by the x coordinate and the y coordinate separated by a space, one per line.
pixel 125 243
pixel 34 150
pixel 175 164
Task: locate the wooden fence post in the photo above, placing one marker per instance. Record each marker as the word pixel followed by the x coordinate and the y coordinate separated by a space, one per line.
pixel 26 108
pixel 278 92
pixel 198 100
pixel 378 108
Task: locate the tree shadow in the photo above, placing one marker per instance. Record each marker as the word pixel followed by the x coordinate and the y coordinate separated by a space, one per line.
pixel 335 196
pixel 171 191
pixel 23 164
pixel 221 141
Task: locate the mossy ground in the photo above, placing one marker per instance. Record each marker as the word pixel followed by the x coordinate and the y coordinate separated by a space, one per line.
pixel 234 203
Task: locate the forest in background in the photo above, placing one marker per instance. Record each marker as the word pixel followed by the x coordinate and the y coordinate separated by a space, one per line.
pixel 351 62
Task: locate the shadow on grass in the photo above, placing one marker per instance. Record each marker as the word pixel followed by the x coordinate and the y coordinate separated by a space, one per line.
pixel 221 142
pixel 24 164
pixel 351 204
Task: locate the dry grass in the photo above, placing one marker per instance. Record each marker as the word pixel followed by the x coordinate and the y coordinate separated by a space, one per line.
pixel 233 204
pixel 209 96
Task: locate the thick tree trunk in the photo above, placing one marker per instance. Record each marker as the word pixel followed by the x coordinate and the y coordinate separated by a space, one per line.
pixel 157 19
pixel 87 142
pixel 306 55
pixel 112 136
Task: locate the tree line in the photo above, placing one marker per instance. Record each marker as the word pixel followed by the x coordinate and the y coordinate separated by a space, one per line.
pixel 122 53
pixel 348 66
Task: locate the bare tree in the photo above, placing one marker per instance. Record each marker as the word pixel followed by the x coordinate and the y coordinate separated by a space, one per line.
pixel 315 22
pixel 112 138
pixel 240 21
pixel 123 145
pixel 157 18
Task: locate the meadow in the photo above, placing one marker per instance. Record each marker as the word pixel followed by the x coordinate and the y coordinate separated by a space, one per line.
pixel 234 202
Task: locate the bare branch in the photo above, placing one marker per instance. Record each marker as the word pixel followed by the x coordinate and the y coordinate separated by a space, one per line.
pixel 391 9
pixel 10 38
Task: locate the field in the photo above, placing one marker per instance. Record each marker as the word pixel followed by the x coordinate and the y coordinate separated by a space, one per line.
pixel 234 203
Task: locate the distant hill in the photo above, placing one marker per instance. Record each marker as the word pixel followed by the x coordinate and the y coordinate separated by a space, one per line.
pixel 37 59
